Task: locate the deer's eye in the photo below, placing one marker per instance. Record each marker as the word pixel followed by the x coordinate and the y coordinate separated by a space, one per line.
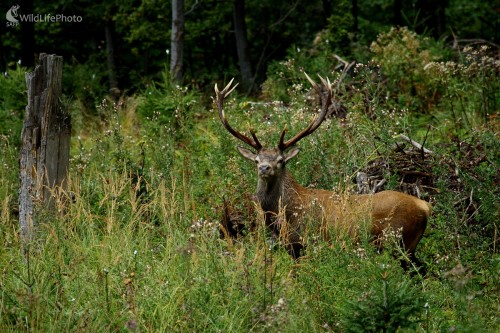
pixel 279 160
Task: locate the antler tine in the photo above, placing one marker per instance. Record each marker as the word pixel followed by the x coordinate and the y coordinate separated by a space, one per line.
pixel 225 92
pixel 313 83
pixel 220 96
pixel 282 136
pixel 326 100
pixel 257 146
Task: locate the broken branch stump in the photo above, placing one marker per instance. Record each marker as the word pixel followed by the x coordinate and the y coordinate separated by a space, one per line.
pixel 46 133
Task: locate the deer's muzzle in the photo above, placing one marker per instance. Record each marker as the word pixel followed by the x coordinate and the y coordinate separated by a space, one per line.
pixel 265 170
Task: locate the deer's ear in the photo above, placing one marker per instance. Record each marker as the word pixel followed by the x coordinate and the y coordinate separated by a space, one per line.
pixel 248 154
pixel 291 153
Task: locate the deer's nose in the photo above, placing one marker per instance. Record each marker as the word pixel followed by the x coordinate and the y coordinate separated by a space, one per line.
pixel 264 168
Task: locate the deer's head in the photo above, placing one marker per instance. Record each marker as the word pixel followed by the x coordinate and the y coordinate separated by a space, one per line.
pixel 271 162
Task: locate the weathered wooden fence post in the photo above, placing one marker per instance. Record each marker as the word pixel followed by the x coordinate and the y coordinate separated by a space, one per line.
pixel 46 133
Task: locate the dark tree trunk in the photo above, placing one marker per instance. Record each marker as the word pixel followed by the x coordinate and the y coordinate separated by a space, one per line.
pixel 110 52
pixel 177 42
pixel 44 157
pixel 27 36
pixel 242 45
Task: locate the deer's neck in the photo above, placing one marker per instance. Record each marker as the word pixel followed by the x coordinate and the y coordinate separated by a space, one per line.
pixel 275 191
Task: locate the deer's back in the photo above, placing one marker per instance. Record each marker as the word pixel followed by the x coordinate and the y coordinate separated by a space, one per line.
pixel 361 213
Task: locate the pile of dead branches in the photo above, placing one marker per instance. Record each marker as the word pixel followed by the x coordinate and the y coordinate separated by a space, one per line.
pixel 409 162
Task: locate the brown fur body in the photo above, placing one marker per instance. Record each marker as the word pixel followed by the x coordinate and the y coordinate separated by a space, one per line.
pixel 291 209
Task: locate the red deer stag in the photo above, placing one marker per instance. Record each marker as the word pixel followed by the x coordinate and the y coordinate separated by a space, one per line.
pixel 290 208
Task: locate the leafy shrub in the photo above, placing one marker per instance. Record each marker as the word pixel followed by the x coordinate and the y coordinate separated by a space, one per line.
pixel 13 101
pixel 85 84
pixel 390 304
pixel 168 104
pixel 356 290
pixel 469 88
pixel 402 56
pixel 338 31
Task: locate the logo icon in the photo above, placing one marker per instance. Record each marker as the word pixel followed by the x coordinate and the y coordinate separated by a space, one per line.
pixel 11 16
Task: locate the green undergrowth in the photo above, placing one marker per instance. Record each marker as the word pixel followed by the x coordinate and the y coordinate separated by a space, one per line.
pixel 133 243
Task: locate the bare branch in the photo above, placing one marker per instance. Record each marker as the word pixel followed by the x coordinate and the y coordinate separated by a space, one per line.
pixel 414 143
pixel 282 19
pixel 192 9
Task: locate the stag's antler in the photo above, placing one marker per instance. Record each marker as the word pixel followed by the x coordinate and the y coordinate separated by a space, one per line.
pixel 326 101
pixel 219 97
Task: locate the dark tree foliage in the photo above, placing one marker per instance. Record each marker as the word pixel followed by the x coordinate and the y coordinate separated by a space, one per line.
pixel 139 33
